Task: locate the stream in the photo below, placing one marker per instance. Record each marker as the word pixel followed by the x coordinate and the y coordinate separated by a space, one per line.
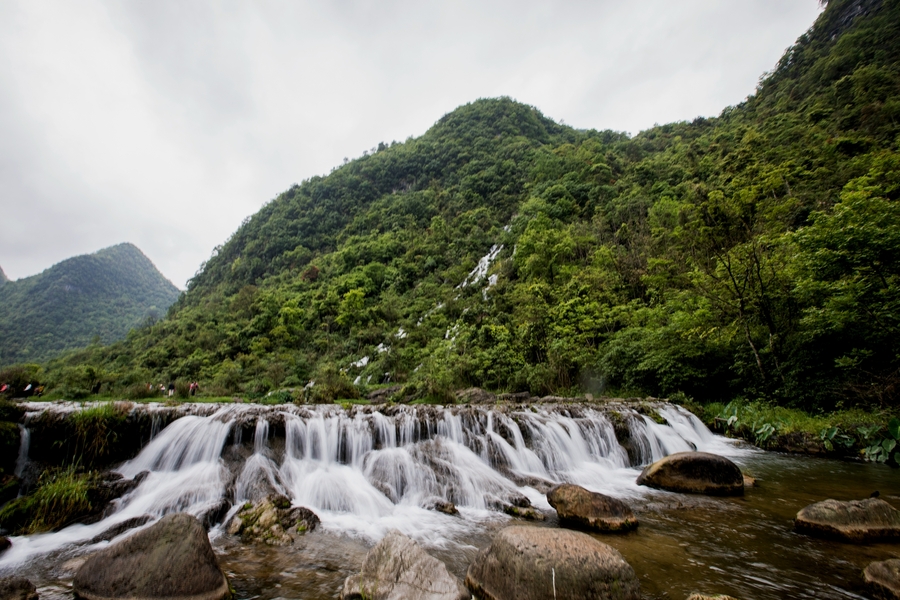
pixel 366 470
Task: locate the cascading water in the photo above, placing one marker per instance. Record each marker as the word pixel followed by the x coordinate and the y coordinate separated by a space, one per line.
pixel 365 472
pixel 24 447
pixel 370 469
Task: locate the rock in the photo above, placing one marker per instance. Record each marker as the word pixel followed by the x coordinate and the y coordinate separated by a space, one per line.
pixel 17 588
pixel 527 512
pixel 272 521
pixel 518 397
pixel 4 544
pixel 584 509
pixel 398 569
pixel 120 528
pixel 750 481
pixel 172 558
pixel 214 514
pixel 475 396
pixel 534 563
pixel 694 473
pixel 883 578
pixel 382 395
pixel 448 508
pixel 856 521
pixel 704 597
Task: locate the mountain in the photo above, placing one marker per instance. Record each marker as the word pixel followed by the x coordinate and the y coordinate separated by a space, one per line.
pixel 98 296
pixel 755 255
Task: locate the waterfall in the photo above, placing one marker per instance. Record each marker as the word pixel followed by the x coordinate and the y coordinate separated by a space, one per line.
pixel 370 469
pixel 24 446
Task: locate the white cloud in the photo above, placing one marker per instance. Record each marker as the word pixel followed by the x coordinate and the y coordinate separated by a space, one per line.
pixel 166 123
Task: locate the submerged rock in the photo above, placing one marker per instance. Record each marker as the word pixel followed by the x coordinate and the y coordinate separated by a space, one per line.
pixel 120 528
pixel 856 521
pixel 171 559
pixel 584 509
pixel 883 578
pixel 534 563
pixel 694 473
pixel 17 588
pixel 272 521
pixel 399 569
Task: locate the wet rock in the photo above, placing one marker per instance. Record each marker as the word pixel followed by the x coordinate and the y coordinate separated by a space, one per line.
pixel 272 521
pixel 17 588
pixel 883 579
pixel 120 528
pixel 382 395
pixel 475 396
pixel 538 483
pixel 214 514
pixel 4 544
pixel 534 563
pixel 857 521
pixel 584 509
pixel 111 486
pixel 694 473
pixel 399 569
pixel 448 508
pixel 524 512
pixel 553 400
pixel 171 559
pixel 750 481
pixel 797 442
pixel 517 397
pixel 715 597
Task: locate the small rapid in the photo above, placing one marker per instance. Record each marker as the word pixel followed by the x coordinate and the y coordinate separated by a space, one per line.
pixel 365 470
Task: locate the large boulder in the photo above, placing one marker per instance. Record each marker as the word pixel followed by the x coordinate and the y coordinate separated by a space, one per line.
pixel 535 563
pixel 694 473
pixel 170 559
pixel 584 509
pixel 398 569
pixel 17 588
pixel 883 578
pixel 272 521
pixel 857 521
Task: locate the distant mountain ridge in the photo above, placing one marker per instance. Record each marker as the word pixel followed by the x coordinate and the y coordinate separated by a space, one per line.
pixel 79 300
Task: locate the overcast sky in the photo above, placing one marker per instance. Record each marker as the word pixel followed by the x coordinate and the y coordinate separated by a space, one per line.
pixel 166 123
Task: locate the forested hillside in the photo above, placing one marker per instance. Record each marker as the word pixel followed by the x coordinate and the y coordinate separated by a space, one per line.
pixel 753 255
pixel 95 297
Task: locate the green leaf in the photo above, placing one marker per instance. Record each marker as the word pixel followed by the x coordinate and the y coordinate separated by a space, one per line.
pixel 894 428
pixel 888 445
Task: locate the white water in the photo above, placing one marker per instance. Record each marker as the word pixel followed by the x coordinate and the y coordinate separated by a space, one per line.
pixel 365 472
pixel 24 447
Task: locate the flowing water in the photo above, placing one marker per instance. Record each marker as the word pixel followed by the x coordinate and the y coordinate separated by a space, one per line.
pixel 366 471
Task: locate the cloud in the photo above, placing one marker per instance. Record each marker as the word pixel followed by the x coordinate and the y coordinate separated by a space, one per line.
pixel 167 123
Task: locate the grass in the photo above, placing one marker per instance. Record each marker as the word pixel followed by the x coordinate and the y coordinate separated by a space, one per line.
pixel 61 498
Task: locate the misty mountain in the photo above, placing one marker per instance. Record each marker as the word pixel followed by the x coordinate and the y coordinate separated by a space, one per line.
pixel 94 297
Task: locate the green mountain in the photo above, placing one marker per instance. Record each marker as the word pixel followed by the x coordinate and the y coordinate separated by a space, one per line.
pixel 95 297
pixel 752 255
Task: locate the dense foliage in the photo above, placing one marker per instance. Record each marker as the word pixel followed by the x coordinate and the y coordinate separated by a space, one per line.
pixel 92 298
pixel 755 255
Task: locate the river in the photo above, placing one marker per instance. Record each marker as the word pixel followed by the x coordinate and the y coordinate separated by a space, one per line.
pixel 366 470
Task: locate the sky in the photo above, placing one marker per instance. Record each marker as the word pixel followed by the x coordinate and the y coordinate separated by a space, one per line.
pixel 167 123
